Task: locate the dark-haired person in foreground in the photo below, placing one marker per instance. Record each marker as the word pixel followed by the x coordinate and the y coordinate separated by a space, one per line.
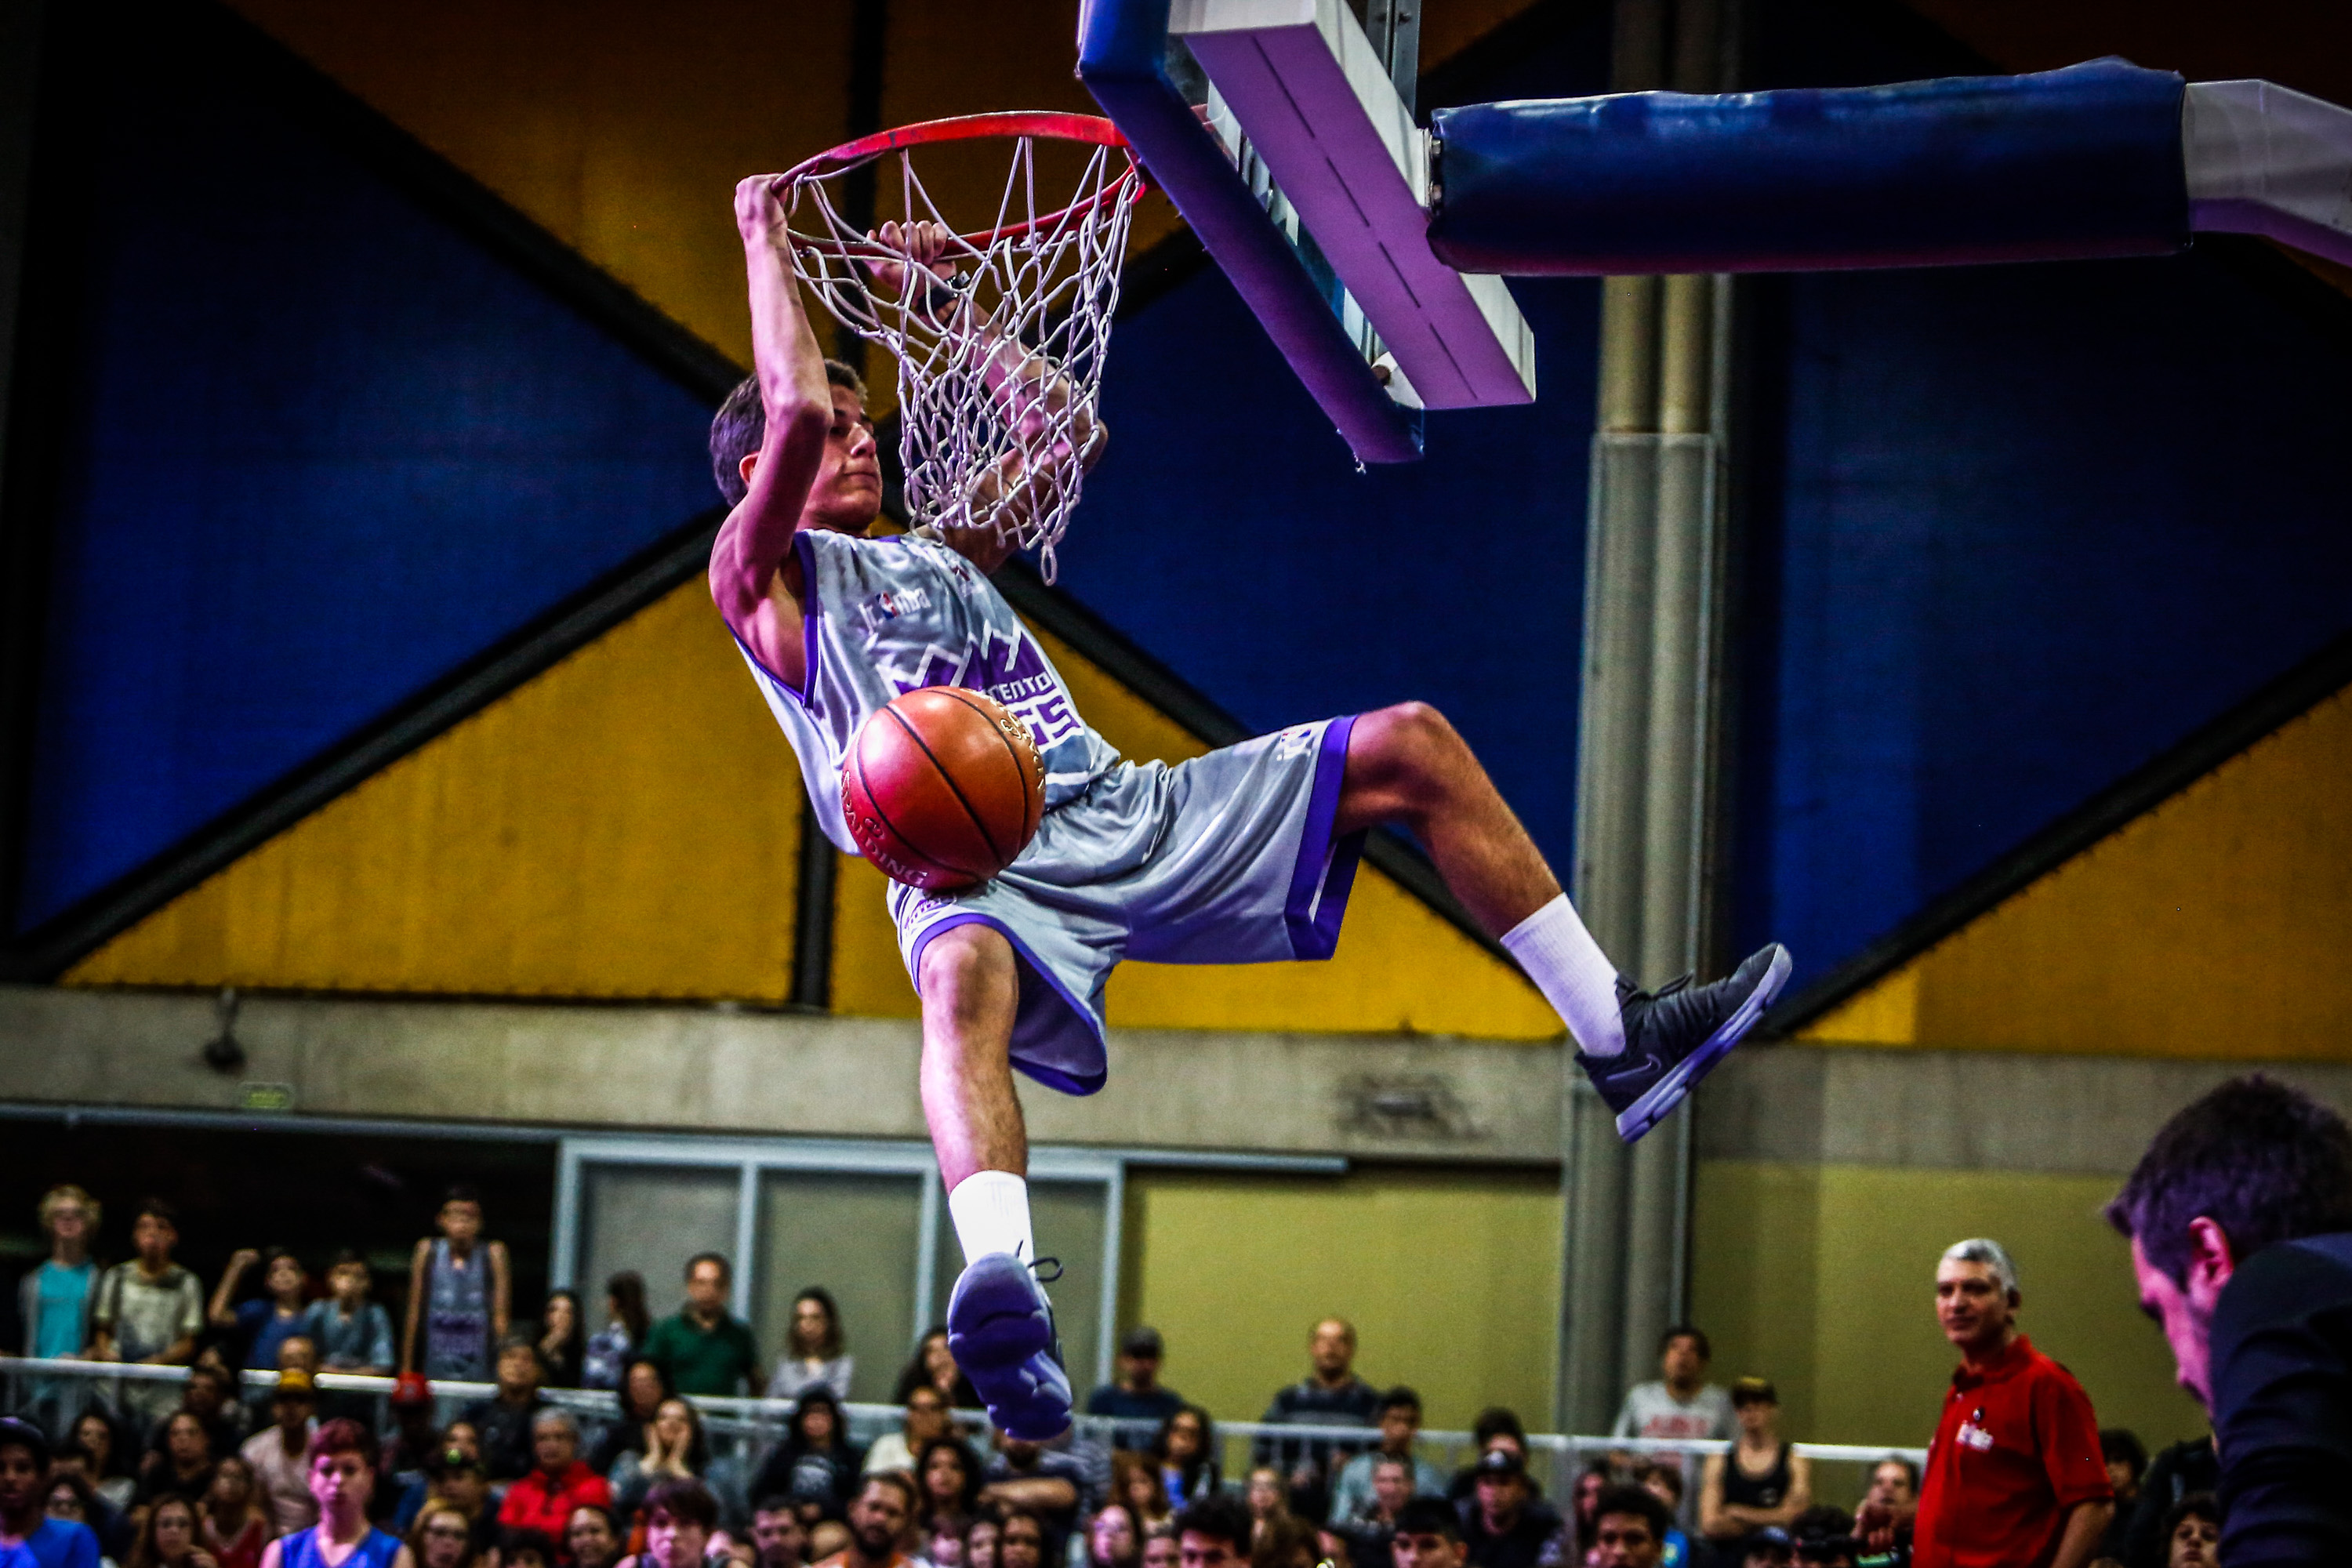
pixel 28 1533
pixel 2239 1217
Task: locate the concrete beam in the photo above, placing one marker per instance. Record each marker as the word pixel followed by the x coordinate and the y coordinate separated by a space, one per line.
pixel 1961 1111
pixel 712 1069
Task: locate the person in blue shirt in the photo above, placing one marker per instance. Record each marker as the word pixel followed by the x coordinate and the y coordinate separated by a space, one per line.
pixel 53 1301
pixel 26 1526
pixel 352 1332
pixel 1139 1399
pixel 269 1321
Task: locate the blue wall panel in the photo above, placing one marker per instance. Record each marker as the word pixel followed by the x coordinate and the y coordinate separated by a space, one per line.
pixel 1228 532
pixel 2036 525
pixel 322 448
pixel 2017 531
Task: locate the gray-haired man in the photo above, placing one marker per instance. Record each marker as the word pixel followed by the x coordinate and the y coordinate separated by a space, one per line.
pixel 2014 1474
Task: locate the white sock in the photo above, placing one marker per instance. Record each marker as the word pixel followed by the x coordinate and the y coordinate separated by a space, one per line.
pixel 1575 976
pixel 991 1210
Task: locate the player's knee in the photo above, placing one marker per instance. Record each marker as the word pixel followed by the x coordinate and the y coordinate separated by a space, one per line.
pixel 1414 740
pixel 964 959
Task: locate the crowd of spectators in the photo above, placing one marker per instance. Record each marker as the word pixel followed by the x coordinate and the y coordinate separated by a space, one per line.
pixel 195 1474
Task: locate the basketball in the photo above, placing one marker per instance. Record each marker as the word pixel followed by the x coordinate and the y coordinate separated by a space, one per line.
pixel 942 789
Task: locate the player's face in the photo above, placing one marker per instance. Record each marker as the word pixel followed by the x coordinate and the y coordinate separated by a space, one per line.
pixel 846 494
pixel 2186 1329
pixel 1625 1541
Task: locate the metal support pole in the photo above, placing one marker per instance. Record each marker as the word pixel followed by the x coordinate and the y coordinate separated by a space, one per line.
pixel 1648 752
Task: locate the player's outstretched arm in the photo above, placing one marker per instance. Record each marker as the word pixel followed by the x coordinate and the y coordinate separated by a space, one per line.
pixel 755 580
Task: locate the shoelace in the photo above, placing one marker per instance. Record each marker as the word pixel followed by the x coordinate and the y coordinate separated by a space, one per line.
pixel 1039 1266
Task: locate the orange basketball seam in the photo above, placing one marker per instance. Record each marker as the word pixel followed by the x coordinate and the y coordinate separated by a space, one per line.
pixel 881 813
pixel 1010 750
pixel 949 779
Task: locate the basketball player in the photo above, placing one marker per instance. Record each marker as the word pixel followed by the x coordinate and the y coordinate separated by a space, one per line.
pixel 1246 855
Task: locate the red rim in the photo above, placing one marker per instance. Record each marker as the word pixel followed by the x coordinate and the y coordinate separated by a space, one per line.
pixel 1088 128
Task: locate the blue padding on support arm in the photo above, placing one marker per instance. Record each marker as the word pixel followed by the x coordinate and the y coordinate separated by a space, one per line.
pixel 1119 47
pixel 2083 161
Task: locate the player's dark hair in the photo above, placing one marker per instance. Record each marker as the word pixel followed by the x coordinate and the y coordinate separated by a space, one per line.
pixel 462 1193
pixel 157 1208
pixel 741 425
pixel 726 1269
pixel 1429 1516
pixel 1638 1500
pixel 1400 1398
pixel 1686 1331
pixel 516 1540
pixel 1221 1516
pixel 341 1436
pixel 2264 1162
pixel 1669 1476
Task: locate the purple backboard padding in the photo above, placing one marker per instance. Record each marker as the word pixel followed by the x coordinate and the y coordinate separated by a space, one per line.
pixel 1303 115
pixel 1119 48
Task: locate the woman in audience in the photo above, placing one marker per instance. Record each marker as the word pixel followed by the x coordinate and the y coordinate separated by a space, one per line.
pixel 168 1538
pixel 187 1467
pixel 980 1539
pixel 232 1524
pixel 815 1459
pixel 109 1468
pixel 813 1356
pixel 1268 1496
pixel 442 1536
pixel 626 1324
pixel 947 1481
pixel 643 1387
pixel 563 1341
pixel 1115 1538
pixel 935 1364
pixel 674 1447
pixel 1186 1449
pixel 1135 1481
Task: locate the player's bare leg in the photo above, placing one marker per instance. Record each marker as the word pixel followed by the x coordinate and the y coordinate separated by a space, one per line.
pixel 999 1323
pixel 1407 766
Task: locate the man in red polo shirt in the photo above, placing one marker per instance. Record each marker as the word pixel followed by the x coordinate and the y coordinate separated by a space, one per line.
pixel 2015 1477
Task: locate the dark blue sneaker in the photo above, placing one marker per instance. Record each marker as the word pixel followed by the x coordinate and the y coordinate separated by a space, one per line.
pixel 1000 1328
pixel 1675 1035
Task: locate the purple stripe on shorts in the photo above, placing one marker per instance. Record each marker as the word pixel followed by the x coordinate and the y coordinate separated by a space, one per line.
pixel 1325 870
pixel 1052 1078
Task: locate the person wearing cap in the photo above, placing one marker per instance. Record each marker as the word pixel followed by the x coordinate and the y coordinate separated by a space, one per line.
pixel 2014 1472
pixel 26 1526
pixel 1762 1481
pixel 1137 1395
pixel 1766 1546
pixel 1352 1489
pixel 1503 1525
pixel 505 1419
pixel 279 1454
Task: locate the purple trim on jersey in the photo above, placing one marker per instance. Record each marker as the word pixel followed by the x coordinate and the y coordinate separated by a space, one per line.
pixel 812 609
pixel 1313 914
pixel 1052 1078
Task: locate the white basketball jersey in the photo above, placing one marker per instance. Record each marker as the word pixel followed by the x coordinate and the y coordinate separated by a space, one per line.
pixel 886 615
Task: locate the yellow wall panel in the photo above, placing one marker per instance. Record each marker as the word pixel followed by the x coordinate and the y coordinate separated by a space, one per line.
pixel 2213 926
pixel 1822 1277
pixel 1399 966
pixel 625 825
pixel 1451 1278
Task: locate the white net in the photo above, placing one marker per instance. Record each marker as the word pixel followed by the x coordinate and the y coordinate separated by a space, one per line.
pixel 1000 339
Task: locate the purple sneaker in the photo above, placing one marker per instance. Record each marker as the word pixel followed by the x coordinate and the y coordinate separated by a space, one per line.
pixel 1000 1328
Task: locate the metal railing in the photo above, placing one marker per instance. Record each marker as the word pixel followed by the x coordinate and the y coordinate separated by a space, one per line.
pixel 742 1429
